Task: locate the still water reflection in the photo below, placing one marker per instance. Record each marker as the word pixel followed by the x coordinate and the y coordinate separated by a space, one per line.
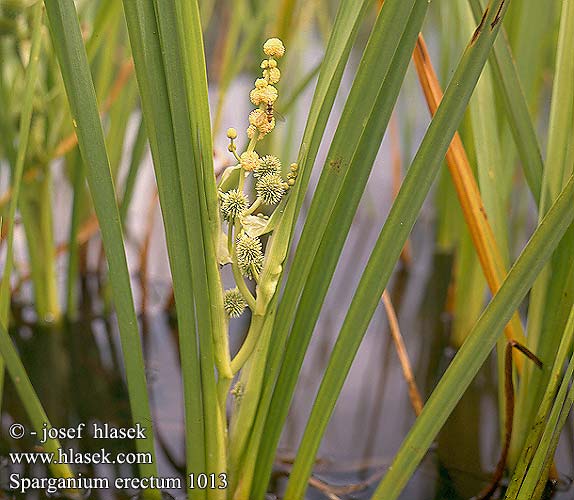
pixel 78 375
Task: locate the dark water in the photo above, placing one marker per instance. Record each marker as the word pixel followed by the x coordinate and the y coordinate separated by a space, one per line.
pixel 78 374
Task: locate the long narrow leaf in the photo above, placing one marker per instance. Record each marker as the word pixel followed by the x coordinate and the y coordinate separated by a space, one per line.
pixel 146 49
pixel 67 40
pixel 399 223
pixel 198 239
pixel 340 221
pixel 551 297
pixel 506 76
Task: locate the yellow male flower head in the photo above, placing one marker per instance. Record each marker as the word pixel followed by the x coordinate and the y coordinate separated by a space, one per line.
pixel 273 75
pixel 274 48
pixel 249 160
pixel 263 94
pixel 259 119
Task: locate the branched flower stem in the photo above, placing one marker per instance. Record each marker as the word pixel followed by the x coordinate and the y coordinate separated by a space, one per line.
pixel 256 204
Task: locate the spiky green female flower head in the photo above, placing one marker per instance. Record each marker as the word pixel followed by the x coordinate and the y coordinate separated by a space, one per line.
pixel 268 164
pixel 274 48
pixel 249 255
pixel 234 303
pixel 233 203
pixel 271 188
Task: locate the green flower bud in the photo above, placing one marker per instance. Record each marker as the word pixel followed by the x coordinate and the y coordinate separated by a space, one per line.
pixel 237 391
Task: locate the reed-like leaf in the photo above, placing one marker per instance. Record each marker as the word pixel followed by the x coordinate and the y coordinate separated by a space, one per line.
pixel 399 223
pixel 188 25
pixel 194 181
pixel 68 44
pixel 551 298
pixel 506 77
pixel 346 203
pixel 147 53
pixel 486 245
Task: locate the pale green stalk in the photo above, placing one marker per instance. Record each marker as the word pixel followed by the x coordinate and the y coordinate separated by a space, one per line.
pixel 211 322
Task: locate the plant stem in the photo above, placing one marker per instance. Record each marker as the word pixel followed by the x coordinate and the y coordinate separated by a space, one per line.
pixel 249 343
